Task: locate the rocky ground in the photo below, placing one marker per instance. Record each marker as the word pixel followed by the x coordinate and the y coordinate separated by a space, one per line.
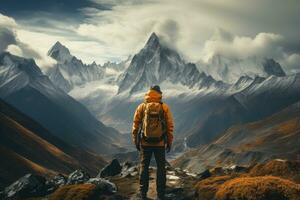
pixel 276 179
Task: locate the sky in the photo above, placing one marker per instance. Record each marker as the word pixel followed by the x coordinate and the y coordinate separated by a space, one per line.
pixel 111 30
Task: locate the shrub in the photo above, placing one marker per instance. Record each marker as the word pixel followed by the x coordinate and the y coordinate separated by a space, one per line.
pixel 207 188
pixel 75 192
pixel 259 188
pixel 282 168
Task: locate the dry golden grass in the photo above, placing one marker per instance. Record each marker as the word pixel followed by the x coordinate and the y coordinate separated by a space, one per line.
pixel 289 126
pixel 258 188
pixel 207 188
pixel 285 169
pixel 75 192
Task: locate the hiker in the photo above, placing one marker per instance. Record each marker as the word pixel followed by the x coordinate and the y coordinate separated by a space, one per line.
pixel 152 132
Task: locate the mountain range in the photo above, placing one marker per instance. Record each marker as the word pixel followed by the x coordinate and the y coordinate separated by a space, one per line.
pixel 26 88
pixel 70 71
pixel 155 64
pixel 198 101
pixel 229 70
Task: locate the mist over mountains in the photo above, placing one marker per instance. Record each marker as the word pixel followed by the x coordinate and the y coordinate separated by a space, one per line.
pixel 216 107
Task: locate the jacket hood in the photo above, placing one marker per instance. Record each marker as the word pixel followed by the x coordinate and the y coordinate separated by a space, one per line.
pixel 153 96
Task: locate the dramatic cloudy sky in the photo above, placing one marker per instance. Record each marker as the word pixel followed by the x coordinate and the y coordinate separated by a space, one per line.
pixel 103 30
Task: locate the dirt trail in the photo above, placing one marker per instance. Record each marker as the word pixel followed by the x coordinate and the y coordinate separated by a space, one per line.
pixel 179 186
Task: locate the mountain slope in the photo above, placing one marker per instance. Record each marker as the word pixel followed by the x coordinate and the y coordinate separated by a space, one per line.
pixel 156 63
pixel 23 85
pixel 25 146
pixel 277 136
pixel 260 99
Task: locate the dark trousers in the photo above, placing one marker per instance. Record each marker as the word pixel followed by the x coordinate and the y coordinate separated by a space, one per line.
pixel 145 157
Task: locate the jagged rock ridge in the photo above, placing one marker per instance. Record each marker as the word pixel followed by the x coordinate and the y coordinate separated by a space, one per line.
pixel 156 63
pixel 70 71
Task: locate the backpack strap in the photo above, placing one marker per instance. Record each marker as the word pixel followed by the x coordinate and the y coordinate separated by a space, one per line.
pixel 164 124
pixel 142 120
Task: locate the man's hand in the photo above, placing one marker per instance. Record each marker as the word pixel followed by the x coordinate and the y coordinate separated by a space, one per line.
pixel 168 148
pixel 136 139
pixel 137 145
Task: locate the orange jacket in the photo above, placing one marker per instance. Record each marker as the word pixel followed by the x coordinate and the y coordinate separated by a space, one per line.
pixel 153 96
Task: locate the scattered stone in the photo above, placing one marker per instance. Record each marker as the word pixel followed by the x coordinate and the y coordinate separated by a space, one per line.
pixel 178 169
pixel 171 173
pixel 127 165
pixel 191 174
pixel 179 193
pixel 172 177
pixel 217 171
pixel 103 185
pixel 56 182
pixel 129 170
pixel 238 169
pixel 168 166
pixel 204 175
pixel 59 180
pixel 174 190
pixel 28 186
pixel 132 171
pixel 112 169
pixel 77 177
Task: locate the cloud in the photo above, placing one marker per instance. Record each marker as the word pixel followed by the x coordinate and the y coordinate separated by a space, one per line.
pixel 7 37
pixel 113 29
pixel 187 25
pixel 240 47
pixel 7 22
pixel 293 63
pixel 10 42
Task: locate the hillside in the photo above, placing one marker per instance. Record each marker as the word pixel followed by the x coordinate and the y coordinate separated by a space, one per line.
pixel 23 85
pixel 277 136
pixel 27 147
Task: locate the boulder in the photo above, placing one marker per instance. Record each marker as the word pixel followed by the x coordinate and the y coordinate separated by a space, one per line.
pixel 56 182
pixel 238 169
pixel 203 175
pixel 77 177
pixel 218 171
pixel 129 169
pixel 103 185
pixel 59 180
pixel 28 186
pixel 112 169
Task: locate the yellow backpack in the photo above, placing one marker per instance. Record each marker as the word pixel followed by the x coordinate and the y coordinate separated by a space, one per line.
pixel 154 122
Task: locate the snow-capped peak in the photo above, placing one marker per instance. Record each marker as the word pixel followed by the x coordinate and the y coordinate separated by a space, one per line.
pixel 17 64
pixel 71 71
pixel 60 52
pixel 16 73
pixel 271 67
pixel 231 69
pixel 153 41
pixel 157 63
